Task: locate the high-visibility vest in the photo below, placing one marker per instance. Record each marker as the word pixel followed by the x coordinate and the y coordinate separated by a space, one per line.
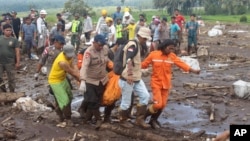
pixel 119 31
pixel 75 24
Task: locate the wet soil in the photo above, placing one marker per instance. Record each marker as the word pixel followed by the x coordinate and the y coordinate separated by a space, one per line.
pixel 186 116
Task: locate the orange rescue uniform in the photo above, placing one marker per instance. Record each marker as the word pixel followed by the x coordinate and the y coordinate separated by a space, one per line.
pixel 161 75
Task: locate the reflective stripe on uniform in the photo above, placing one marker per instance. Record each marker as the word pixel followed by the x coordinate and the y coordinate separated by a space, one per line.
pixel 166 61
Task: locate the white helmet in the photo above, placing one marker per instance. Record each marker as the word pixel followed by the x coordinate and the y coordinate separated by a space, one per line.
pixel 126 14
pixel 43 12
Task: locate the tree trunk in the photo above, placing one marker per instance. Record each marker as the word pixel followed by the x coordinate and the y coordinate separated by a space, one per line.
pixel 10 97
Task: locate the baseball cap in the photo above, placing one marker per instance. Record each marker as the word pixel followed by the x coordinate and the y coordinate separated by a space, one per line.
pixel 13 12
pixel 69 50
pixel 144 32
pixel 59 38
pixel 100 39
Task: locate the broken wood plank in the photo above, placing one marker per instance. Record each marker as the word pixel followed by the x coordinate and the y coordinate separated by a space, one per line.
pixel 10 96
pixel 215 87
pixel 211 118
pixel 8 118
pixel 3 83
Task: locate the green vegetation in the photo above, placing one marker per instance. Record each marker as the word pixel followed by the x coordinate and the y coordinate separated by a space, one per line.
pixel 51 18
pixel 243 19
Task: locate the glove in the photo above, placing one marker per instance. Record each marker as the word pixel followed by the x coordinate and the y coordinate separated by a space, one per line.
pixel 82 86
pixel 36 76
pixel 41 36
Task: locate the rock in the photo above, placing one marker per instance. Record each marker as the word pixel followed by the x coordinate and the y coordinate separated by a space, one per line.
pixel 229 78
pixel 244 119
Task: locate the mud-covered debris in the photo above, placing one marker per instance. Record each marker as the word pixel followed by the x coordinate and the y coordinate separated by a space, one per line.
pixel 241 89
pixel 9 134
pixel 198 134
pixel 195 85
pixel 244 118
pixel 203 51
pixel 28 105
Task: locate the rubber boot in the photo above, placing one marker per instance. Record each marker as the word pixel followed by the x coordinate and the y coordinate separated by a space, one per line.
pixel 140 117
pixel 97 115
pixel 82 109
pixel 154 120
pixel 67 111
pixel 130 114
pixel 107 113
pixel 189 50
pixel 59 113
pixel 123 119
pixel 67 114
pixel 87 116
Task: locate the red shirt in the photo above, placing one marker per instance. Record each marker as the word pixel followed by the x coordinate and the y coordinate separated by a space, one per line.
pixel 179 20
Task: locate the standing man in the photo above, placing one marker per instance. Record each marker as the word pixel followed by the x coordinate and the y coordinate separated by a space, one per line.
pixel 112 31
pixel 16 23
pixel 161 32
pixel 162 61
pixel 56 30
pixel 42 31
pixel 117 14
pixel 130 80
pixel 76 30
pixel 60 19
pixel 102 27
pixel 49 54
pixel 62 65
pixel 28 34
pixel 87 26
pixel 192 29
pixel 180 20
pixel 9 57
pixel 175 33
pixel 94 78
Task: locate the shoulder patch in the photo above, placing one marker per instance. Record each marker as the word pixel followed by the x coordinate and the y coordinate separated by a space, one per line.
pixel 87 55
pixel 130 49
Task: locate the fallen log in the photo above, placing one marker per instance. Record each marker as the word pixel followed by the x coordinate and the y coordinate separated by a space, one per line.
pixel 215 87
pixel 185 97
pixel 10 97
pixel 212 112
pixel 133 133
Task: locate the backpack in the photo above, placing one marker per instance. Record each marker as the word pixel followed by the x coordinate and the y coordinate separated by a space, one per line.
pixel 118 59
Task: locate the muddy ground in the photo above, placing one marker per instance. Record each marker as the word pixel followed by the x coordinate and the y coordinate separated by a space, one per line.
pixel 186 117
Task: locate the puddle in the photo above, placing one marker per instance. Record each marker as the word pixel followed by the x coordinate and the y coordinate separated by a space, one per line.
pixel 185 117
pixel 178 117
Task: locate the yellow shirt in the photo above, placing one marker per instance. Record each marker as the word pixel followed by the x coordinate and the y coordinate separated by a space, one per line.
pixel 131 30
pixel 57 74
